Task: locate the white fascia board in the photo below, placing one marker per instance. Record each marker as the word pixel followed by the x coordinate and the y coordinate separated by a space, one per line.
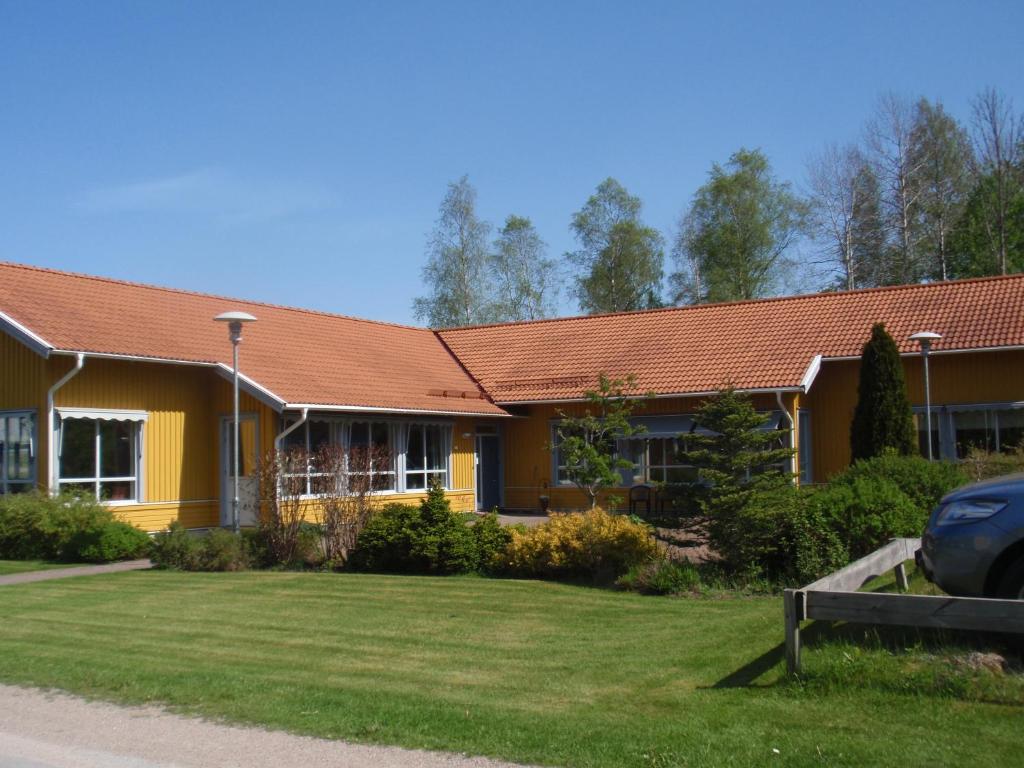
pixel 258 391
pixel 375 409
pixel 32 340
pixel 811 373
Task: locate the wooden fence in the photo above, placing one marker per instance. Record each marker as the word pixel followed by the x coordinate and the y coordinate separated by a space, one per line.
pixel 835 598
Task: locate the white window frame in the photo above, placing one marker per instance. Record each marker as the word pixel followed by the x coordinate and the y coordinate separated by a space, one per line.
pixel 137 420
pixel 945 422
pixel 5 480
pixel 398 437
pixel 426 472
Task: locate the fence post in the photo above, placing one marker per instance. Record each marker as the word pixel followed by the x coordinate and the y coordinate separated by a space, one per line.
pixel 792 609
pixel 901 577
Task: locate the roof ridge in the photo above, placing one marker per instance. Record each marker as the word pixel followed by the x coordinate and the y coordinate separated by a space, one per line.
pixel 741 302
pixel 203 294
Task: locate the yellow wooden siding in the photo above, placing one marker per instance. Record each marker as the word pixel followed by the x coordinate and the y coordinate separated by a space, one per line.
pixel 969 377
pixel 528 465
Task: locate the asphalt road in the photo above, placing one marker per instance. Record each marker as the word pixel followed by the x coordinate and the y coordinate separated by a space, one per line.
pixel 51 730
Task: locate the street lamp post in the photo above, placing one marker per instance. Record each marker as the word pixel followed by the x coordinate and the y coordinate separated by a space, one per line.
pixel 234 321
pixel 925 339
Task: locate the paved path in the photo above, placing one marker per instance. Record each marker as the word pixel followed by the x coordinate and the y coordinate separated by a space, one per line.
pixel 78 570
pixel 54 730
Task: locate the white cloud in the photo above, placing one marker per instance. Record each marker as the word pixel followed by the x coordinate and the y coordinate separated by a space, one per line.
pixel 210 192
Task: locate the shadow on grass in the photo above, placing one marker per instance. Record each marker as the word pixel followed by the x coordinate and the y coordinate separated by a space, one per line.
pixel 893 640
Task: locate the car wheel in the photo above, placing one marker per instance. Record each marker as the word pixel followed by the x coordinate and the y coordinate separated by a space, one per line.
pixel 1012 584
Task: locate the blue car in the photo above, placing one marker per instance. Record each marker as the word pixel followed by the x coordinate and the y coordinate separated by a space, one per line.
pixel 973 545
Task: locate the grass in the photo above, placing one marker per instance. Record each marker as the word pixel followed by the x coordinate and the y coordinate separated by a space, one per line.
pixel 527 671
pixel 22 566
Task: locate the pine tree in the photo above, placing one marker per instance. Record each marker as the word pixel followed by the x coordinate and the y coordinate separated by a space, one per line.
pixel 882 419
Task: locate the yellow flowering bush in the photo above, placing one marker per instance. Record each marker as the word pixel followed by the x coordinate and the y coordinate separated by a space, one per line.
pixel 594 544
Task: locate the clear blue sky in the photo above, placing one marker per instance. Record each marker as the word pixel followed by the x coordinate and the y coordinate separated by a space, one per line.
pixel 297 152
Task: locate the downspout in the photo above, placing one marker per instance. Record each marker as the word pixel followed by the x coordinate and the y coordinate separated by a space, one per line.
pixel 289 430
pixel 793 467
pixel 51 484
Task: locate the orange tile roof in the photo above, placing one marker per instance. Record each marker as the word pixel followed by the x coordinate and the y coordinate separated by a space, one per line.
pixel 300 356
pixel 765 344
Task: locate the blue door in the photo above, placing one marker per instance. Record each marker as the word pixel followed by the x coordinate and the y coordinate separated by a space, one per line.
pixel 488 472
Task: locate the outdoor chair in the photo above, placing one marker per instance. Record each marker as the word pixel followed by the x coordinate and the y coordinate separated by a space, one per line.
pixel 641 495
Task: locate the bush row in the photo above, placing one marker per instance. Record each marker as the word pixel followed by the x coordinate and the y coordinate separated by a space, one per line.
pixel 35 526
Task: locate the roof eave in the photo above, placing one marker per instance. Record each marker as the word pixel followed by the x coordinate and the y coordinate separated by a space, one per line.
pixel 25 335
pixel 659 396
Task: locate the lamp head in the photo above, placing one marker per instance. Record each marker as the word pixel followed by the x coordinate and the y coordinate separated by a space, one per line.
pixel 925 339
pixel 234 321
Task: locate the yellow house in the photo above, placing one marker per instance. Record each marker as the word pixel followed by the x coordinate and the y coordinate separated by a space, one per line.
pixel 138 413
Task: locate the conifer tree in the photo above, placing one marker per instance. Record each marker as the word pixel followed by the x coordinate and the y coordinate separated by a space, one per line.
pixel 882 419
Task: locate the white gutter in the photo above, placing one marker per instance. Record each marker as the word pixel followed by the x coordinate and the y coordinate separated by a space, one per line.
pixel 289 430
pixel 709 393
pixel 376 409
pixel 793 468
pixel 51 484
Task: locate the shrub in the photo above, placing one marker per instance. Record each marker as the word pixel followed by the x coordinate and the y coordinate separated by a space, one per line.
pixel 218 550
pixel 590 544
pixel 425 539
pixel 661 577
pixel 176 548
pixel 981 465
pixel 492 539
pixel 777 535
pixel 38 526
pixel 867 511
pixel 222 550
pixel 924 482
pixel 112 541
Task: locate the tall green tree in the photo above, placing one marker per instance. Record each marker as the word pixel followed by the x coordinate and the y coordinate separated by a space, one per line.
pixel 940 151
pixel 882 419
pixel 456 273
pixel 734 237
pixel 749 496
pixel 619 261
pixel 525 279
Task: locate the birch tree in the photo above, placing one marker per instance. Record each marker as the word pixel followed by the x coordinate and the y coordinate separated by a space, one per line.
pixel 736 232
pixel 998 136
pixel 620 260
pixel 845 218
pixel 525 279
pixel 889 139
pixel 457 263
pixel 941 152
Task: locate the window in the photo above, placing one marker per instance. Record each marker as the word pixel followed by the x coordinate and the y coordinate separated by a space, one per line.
pixel 663 463
pixel 311 437
pixel 988 429
pixel 100 457
pixel 374 438
pixel 804 454
pixel 17 451
pixel 426 457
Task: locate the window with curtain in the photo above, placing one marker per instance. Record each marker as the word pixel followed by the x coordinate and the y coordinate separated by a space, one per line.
pixel 17 451
pixel 426 455
pixel 374 438
pixel 100 458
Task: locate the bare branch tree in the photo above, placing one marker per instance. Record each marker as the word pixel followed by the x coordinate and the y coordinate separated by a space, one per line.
pixel 997 136
pixel 889 139
pixel 282 486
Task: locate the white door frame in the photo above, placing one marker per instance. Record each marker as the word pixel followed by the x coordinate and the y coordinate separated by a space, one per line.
pixel 225 441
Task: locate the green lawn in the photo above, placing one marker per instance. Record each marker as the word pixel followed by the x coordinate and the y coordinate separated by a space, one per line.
pixel 21 566
pixel 528 671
